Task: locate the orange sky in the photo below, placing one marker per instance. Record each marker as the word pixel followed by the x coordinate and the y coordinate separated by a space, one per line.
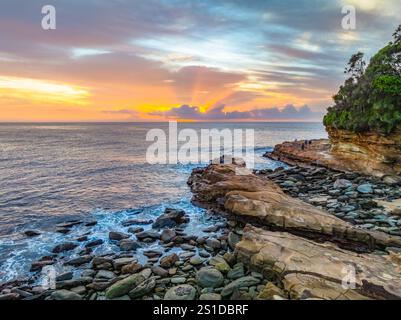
pixel 153 61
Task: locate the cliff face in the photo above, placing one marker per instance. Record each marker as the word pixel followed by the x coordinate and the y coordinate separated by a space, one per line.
pixel 371 153
pixel 367 153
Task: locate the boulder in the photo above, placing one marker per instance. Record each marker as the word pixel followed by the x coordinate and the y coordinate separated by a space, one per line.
pixel 66 246
pixel 239 283
pixel 143 288
pixel 114 235
pixel 181 292
pixel 65 295
pixel 169 261
pixel 209 278
pixel 170 218
pixel 167 235
pixel 31 233
pixel 124 286
pixel 128 245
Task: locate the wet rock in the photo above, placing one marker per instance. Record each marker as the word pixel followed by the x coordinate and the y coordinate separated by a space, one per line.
pixel 128 245
pixel 220 264
pixel 69 224
pixel 152 253
pixel 143 288
pixel 213 243
pixel 159 271
pixel 170 218
pixel 79 261
pixel 178 280
pixel 68 284
pixel 91 223
pixel 9 296
pixel 65 276
pixel 38 265
pixel 94 243
pixel 135 230
pixel 342 184
pixel 66 246
pixel 167 235
pixel 365 188
pixel 210 296
pixel 123 287
pixel 118 263
pixel 269 291
pixel 233 239
pixel 186 246
pixel 102 263
pixel 31 233
pixel 169 261
pixel 131 268
pixel 239 283
pixel 181 292
pixel 131 222
pixel 208 277
pixel 65 295
pixel 104 274
pixel 196 261
pixel 114 235
pixel 149 234
pixel 236 272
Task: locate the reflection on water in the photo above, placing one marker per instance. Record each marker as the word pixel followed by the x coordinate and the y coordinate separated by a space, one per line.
pixel 55 172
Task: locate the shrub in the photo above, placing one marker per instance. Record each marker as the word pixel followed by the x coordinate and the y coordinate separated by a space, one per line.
pixel 370 99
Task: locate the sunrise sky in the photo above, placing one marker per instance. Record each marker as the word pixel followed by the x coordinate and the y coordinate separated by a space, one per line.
pixel 189 60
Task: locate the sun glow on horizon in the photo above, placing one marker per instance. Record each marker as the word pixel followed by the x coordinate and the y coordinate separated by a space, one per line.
pixel 41 90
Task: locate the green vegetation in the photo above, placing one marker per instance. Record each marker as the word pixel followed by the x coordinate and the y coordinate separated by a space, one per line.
pixel 370 99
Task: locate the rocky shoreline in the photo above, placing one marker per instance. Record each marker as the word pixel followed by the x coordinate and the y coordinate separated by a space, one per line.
pixel 185 268
pixel 283 234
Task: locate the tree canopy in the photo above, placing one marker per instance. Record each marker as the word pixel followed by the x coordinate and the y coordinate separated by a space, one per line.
pixel 370 99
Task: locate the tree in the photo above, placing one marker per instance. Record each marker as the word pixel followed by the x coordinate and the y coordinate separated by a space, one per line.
pixel 397 35
pixel 356 66
pixel 370 99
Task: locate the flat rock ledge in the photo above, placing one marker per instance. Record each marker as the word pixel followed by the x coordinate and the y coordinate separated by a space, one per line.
pixel 307 269
pixel 251 198
pixel 345 153
pixel 307 250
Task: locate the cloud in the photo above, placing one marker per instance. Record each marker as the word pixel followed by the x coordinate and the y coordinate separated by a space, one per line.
pixel 288 112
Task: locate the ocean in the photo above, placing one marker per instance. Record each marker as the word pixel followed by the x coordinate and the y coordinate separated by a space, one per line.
pixel 55 172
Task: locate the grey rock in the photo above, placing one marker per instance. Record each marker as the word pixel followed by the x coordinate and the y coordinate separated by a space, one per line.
pixel 128 245
pixel 342 184
pixel 210 296
pixel 181 292
pixel 233 239
pixel 170 218
pixel 65 295
pixel 66 246
pixel 236 272
pixel 239 283
pixel 213 243
pixel 114 235
pixel 167 235
pixel 209 277
pixel 365 188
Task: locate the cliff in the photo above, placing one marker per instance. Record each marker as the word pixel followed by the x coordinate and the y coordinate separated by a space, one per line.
pixel 365 153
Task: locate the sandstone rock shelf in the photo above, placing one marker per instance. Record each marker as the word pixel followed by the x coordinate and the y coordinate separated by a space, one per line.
pixel 252 198
pixel 366 153
pixel 307 251
pixel 307 269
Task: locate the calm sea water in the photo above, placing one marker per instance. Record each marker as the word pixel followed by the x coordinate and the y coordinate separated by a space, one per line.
pixel 51 173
